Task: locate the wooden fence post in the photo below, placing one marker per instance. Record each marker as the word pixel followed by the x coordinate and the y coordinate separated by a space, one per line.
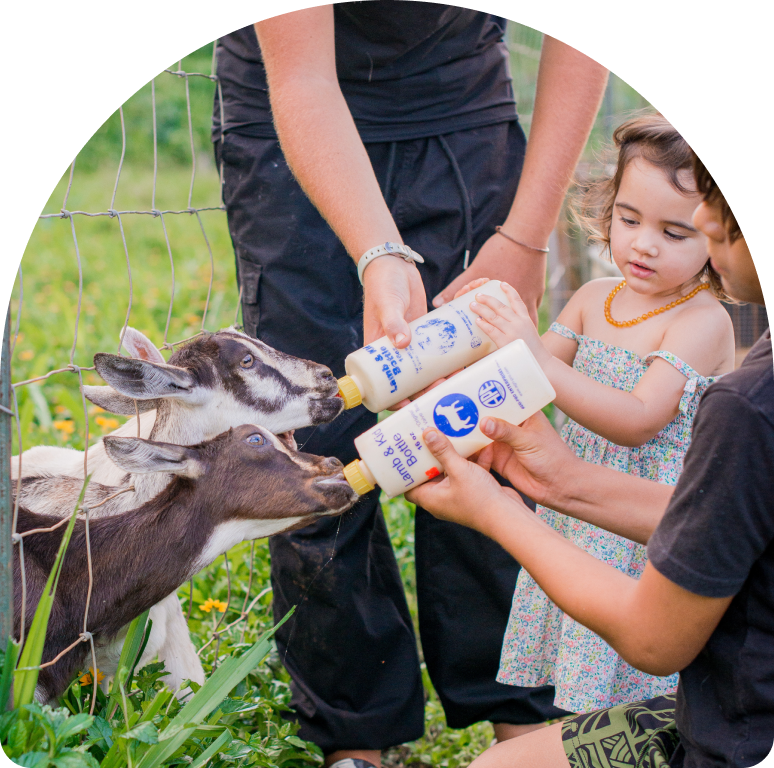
pixel 6 506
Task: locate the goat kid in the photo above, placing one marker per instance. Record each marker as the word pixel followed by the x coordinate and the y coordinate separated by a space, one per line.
pixel 214 382
pixel 243 484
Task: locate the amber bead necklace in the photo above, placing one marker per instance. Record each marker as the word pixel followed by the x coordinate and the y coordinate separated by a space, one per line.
pixel 647 315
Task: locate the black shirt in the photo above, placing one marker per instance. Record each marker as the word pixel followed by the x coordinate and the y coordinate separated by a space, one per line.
pixel 407 70
pixel 717 540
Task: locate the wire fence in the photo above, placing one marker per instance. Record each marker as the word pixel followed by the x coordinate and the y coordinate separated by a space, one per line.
pixel 572 263
pixel 9 406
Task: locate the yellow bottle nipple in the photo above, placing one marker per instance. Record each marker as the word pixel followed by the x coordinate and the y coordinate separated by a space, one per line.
pixel 349 392
pixel 357 479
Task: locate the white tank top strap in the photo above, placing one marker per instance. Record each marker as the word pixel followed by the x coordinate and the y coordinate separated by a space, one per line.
pixel 564 331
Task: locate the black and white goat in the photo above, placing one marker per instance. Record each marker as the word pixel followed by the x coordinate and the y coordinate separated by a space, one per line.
pixel 243 484
pixel 215 382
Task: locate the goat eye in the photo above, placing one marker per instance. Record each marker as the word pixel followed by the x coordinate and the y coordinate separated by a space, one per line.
pixel 257 440
pixel 247 361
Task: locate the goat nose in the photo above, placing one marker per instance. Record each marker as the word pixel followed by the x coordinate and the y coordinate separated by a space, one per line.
pixel 333 464
pixel 325 376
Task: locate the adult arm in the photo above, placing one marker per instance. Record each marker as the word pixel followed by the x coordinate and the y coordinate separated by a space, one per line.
pixel 324 150
pixel 536 461
pixel 570 87
pixel 654 624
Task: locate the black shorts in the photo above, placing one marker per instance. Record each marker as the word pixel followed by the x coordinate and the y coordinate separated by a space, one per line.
pixel 350 648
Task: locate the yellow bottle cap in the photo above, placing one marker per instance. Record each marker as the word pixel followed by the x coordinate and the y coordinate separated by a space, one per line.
pixel 349 391
pixel 357 479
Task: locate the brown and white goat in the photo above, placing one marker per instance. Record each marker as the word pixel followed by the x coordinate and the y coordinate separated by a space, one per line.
pixel 217 381
pixel 243 484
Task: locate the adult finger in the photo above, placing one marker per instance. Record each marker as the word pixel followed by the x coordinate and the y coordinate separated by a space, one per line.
pixel 442 449
pixel 390 314
pixel 503 432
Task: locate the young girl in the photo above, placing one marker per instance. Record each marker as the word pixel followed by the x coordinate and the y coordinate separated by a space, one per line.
pixel 629 361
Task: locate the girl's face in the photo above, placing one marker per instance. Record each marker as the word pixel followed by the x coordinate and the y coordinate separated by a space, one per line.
pixel 652 238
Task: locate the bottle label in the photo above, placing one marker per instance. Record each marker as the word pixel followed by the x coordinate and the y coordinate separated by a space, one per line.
pixel 491 394
pixel 455 415
pixel 436 337
pixel 390 360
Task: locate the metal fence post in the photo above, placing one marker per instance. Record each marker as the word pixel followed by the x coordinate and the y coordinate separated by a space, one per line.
pixel 6 507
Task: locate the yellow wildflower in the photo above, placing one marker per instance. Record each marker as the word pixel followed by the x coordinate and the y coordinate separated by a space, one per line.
pixel 106 423
pixel 26 354
pixel 209 604
pixel 192 319
pixel 60 409
pixel 95 409
pixel 65 426
pixel 86 678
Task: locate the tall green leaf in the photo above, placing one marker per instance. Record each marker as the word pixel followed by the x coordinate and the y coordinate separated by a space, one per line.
pixel 9 663
pixel 26 675
pixel 225 678
pixel 208 753
pixel 130 655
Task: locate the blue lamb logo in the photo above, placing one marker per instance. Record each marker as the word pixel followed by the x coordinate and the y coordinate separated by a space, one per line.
pixel 436 337
pixel 491 394
pixel 455 415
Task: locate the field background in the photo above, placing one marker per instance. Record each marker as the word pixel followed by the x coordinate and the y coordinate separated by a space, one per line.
pixel 51 412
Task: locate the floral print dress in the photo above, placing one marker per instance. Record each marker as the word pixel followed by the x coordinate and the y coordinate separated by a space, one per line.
pixel 544 646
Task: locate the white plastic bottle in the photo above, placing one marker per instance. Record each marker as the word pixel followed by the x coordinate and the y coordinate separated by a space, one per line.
pixel 508 384
pixel 442 341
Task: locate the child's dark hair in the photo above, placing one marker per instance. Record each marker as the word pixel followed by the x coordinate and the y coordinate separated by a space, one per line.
pixel 712 195
pixel 654 139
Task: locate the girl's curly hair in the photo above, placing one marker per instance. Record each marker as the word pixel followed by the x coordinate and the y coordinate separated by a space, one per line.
pixel 653 138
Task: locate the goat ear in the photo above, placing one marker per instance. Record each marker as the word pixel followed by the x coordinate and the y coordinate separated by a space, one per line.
pixel 133 454
pixel 142 379
pixel 114 402
pixel 139 345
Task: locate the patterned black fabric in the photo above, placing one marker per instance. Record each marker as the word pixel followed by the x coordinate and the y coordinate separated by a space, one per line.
pixel 640 735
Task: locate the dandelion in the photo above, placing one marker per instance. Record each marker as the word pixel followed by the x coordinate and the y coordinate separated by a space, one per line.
pixel 26 354
pixel 95 409
pixel 209 604
pixel 60 409
pixel 86 678
pixel 106 423
pixel 65 426
pixel 192 319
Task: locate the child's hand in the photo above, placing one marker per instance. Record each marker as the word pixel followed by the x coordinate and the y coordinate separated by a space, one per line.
pixel 473 284
pixel 505 324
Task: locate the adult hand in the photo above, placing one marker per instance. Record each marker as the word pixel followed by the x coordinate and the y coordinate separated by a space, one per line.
pixel 393 296
pixel 501 259
pixel 467 494
pixel 532 457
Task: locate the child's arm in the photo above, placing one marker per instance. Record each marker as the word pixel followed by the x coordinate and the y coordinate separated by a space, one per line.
pixel 625 418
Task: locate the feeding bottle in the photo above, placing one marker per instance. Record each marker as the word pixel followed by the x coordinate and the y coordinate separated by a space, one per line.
pixel 379 375
pixel 508 384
